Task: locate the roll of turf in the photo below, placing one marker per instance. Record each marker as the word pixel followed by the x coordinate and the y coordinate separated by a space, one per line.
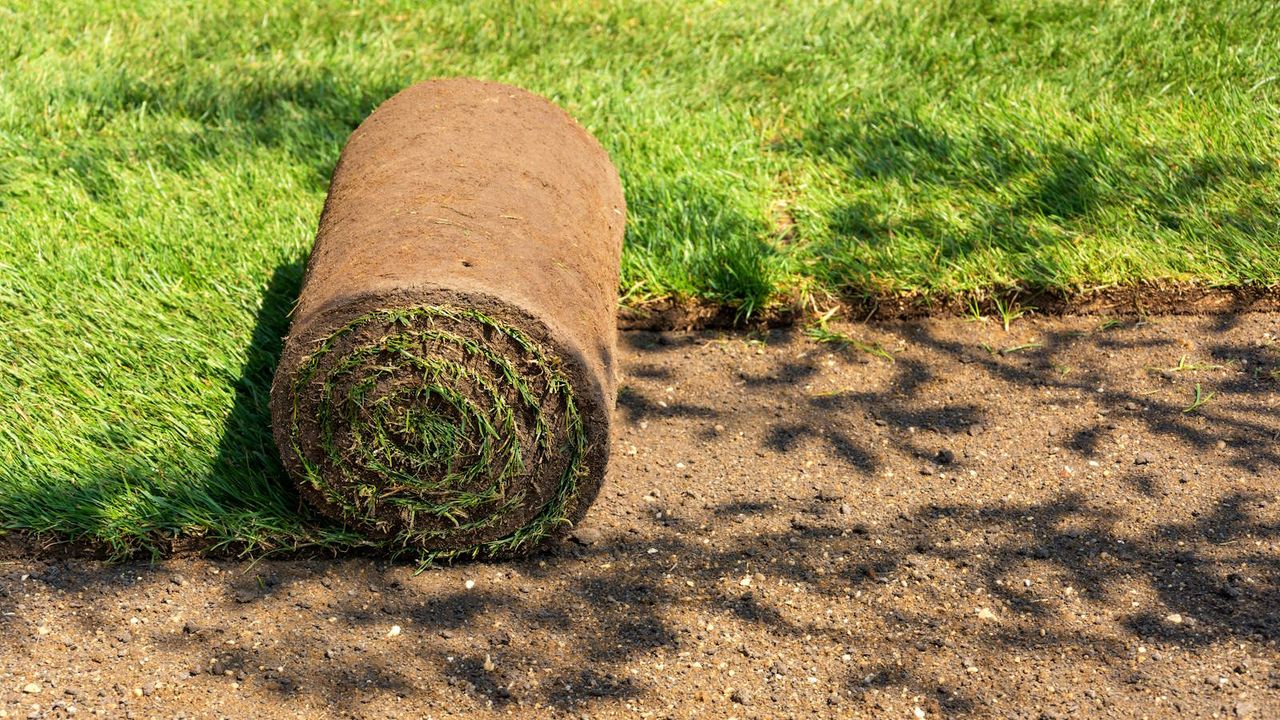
pixel 448 377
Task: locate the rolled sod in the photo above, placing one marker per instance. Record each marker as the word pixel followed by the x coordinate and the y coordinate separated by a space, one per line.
pixel 448 377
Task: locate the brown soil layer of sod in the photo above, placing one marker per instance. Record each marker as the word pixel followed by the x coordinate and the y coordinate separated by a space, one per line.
pixel 448 379
pixel 1153 298
pixel 1021 524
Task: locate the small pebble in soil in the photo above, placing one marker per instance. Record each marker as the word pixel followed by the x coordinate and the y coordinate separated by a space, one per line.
pixel 1143 458
pixel 742 697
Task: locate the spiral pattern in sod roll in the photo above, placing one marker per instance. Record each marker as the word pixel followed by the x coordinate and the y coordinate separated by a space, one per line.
pixel 438 428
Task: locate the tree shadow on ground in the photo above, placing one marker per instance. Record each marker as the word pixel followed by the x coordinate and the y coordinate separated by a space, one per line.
pixel 586 624
pixel 977 190
pixel 567 629
pixel 308 116
pixel 719 250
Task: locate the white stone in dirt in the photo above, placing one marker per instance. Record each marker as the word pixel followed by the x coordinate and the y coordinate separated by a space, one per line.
pixel 469 584
pixel 32 688
pixel 1174 618
pixel 986 614
pixel 394 631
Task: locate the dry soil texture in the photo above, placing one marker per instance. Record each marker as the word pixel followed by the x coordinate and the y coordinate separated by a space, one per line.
pixel 1023 524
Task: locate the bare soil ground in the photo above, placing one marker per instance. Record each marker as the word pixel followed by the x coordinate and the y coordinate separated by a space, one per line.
pixel 1029 524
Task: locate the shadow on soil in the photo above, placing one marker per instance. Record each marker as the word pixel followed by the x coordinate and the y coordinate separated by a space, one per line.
pixel 585 615
pixel 609 620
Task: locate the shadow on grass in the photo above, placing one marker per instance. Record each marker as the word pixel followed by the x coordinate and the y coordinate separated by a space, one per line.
pixel 234 498
pixel 248 466
pixel 977 191
pixel 717 250
pixel 691 235
pixel 198 120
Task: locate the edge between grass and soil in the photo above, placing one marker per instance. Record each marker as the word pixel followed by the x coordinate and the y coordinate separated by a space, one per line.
pixel 1138 299
pixel 1141 300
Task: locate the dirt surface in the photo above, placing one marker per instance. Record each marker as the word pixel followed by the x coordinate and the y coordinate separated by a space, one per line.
pixel 1025 524
pixel 457 193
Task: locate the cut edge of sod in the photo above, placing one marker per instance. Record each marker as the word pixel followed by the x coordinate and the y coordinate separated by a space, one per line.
pixel 395 487
pixel 790 306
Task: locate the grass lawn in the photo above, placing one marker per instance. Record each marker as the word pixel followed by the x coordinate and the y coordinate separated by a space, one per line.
pixel 162 170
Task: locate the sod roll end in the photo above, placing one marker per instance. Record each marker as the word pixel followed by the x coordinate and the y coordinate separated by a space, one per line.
pixel 448 378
